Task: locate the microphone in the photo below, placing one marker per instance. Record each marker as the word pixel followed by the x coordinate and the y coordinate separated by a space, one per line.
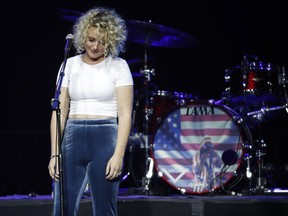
pixel 69 40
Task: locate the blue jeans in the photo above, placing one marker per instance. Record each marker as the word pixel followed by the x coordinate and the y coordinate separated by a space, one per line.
pixel 86 148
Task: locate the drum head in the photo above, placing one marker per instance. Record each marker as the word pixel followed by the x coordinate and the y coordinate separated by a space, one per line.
pixel 198 146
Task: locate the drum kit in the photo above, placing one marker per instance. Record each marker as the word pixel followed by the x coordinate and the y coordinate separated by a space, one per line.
pixel 257 92
pixel 200 146
pixel 197 146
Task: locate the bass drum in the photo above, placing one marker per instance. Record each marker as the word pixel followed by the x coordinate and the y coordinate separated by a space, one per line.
pixel 198 147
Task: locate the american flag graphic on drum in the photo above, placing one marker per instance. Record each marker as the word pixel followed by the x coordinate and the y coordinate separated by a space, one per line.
pixel 189 143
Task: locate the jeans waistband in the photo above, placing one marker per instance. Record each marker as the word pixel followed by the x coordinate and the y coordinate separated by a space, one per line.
pixel 92 121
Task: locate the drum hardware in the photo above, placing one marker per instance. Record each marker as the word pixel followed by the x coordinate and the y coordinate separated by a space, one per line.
pixel 147 112
pixel 139 137
pixel 260 151
pixel 261 180
pixel 135 174
pixel 258 114
pixel 145 142
pixel 248 172
pixel 262 88
pixel 142 138
pixel 148 175
pixel 248 158
pixel 248 152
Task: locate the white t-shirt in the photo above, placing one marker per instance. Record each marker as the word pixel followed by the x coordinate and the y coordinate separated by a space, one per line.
pixel 92 88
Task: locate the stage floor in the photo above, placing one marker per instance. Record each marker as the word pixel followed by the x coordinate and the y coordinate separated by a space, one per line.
pixel 268 203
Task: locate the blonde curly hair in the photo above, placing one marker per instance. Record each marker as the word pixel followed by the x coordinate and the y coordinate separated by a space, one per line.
pixel 110 26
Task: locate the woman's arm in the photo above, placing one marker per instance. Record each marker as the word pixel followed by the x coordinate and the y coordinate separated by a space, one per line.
pixel 64 101
pixel 125 106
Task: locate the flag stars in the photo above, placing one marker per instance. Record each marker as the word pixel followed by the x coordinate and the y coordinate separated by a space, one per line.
pixel 168 134
pixel 175 136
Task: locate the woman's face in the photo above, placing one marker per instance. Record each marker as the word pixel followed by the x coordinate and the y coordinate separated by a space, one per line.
pixel 93 45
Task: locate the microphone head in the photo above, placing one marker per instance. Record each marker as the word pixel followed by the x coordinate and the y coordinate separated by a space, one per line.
pixel 69 41
pixel 70 37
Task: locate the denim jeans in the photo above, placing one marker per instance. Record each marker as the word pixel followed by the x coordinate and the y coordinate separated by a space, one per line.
pixel 87 146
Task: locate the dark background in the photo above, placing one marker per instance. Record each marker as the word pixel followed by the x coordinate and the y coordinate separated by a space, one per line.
pixel 33 38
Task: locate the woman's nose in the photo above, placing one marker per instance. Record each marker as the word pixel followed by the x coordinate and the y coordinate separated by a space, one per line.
pixel 95 45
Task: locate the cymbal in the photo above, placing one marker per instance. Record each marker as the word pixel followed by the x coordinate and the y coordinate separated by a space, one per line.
pixel 157 35
pixel 147 33
pixel 69 14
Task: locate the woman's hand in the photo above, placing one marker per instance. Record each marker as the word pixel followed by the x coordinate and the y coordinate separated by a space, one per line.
pixel 114 167
pixel 53 168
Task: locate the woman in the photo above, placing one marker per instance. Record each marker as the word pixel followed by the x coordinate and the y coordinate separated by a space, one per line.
pixel 96 103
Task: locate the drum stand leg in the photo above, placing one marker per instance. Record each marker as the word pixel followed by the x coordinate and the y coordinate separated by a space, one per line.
pixel 149 163
pixel 260 152
pixel 260 180
pixel 248 173
pixel 148 176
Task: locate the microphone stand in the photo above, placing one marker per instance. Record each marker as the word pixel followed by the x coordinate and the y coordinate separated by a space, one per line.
pixel 55 106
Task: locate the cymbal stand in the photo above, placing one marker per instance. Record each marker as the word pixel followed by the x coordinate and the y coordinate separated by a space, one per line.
pixel 261 145
pixel 147 113
pixel 260 153
pixel 149 164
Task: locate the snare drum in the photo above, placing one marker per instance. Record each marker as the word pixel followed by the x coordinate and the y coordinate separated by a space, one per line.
pixel 190 142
